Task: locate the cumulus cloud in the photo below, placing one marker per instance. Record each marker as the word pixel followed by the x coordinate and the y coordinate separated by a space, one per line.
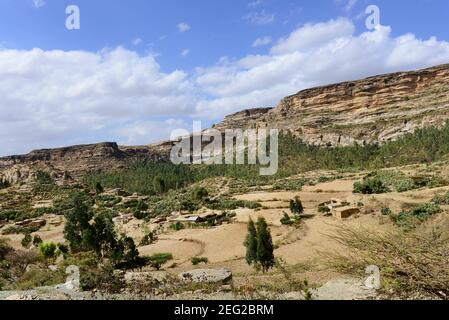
pixel 185 52
pixel 137 41
pixel 260 17
pixel 259 42
pixel 183 27
pixel 312 55
pixel 56 98
pixel 39 3
pixel 46 97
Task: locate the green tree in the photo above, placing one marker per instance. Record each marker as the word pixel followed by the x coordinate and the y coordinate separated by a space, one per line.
pixel 158 184
pixel 251 244
pixel 296 206
pixel 27 240
pixel 265 247
pixel 37 240
pixel 48 250
pixel 99 188
pixel 78 231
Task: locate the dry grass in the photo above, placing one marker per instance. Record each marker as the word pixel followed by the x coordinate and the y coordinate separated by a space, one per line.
pixel 411 263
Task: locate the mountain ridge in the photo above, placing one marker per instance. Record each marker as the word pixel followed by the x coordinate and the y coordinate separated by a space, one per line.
pixel 376 109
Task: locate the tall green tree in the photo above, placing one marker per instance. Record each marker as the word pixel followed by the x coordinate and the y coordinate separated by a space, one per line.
pixel 78 231
pixel 251 244
pixel 265 247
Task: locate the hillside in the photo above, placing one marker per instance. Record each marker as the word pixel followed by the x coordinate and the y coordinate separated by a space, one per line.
pixel 373 110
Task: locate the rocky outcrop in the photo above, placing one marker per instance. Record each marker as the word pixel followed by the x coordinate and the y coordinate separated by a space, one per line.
pixel 71 162
pixel 376 109
pixel 223 276
pixel 372 110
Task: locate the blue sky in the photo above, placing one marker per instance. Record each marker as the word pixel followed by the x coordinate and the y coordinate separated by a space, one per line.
pixel 138 69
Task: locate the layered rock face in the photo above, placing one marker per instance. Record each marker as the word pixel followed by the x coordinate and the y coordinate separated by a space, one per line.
pixel 376 109
pixel 72 162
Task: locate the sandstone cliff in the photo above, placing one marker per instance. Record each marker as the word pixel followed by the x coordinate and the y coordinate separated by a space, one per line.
pixel 376 109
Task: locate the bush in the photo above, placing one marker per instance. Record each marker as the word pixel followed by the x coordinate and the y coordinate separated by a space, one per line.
pixel 197 260
pixel 148 239
pixel 441 199
pixel 158 259
pixel 296 206
pixel 286 220
pixel 386 211
pixel 371 186
pixel 411 263
pixel 177 226
pixel 27 240
pixel 409 219
pixel 48 250
pixel 322 208
pixel 37 240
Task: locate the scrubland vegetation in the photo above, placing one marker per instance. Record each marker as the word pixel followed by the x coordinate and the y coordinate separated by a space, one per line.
pixel 413 258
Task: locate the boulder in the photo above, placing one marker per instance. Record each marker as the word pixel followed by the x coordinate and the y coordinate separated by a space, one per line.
pixel 147 277
pixel 223 276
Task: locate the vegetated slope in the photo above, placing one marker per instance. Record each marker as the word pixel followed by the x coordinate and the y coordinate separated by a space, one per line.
pixel 365 112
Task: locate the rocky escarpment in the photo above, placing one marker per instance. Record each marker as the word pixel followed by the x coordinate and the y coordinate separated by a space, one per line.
pixel 376 109
pixel 72 162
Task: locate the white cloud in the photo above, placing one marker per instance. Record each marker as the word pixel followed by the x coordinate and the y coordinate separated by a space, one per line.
pixel 312 55
pixel 145 132
pixel 185 52
pixel 56 98
pixel 183 27
pixel 259 42
pixel 39 3
pixel 260 18
pixel 137 41
pixel 48 97
pixel 347 5
pixel 255 3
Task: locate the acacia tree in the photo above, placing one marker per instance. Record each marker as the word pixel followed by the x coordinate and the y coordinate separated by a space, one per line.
pixel 265 247
pixel 251 244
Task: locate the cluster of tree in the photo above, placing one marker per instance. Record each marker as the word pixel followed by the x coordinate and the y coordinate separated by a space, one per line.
pixel 423 146
pixel 98 236
pixel 259 245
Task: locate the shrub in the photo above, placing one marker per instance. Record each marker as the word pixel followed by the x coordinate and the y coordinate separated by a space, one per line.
pixel 158 259
pixel 37 240
pixel 296 206
pixel 371 186
pixel 322 208
pixel 27 240
pixel 177 226
pixel 197 260
pixel 441 199
pixel 386 211
pixel 148 239
pixel 286 220
pixel 48 250
pixel 409 219
pixel 410 262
